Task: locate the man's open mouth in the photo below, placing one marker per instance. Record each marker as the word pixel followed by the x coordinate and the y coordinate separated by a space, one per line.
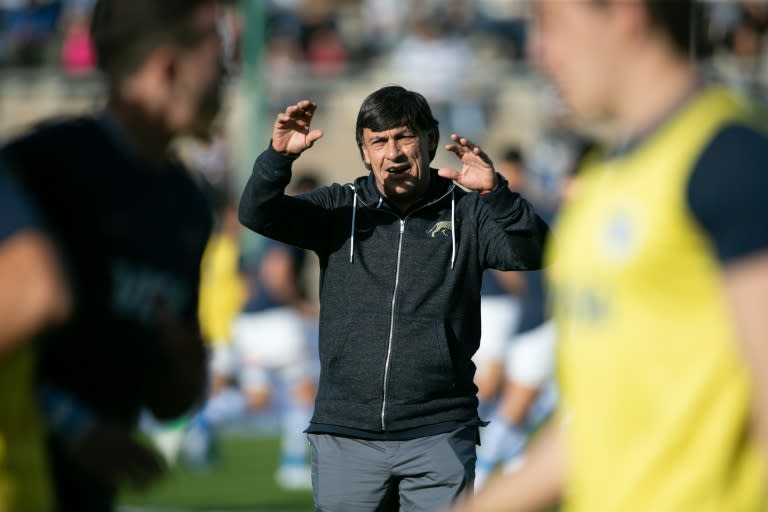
pixel 398 170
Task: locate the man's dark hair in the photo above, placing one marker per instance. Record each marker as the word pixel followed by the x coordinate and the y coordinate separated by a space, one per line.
pixel 683 22
pixel 125 32
pixel 394 106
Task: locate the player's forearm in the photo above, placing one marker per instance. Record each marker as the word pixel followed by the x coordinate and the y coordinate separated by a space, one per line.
pixel 33 294
pixel 536 485
pixel 746 285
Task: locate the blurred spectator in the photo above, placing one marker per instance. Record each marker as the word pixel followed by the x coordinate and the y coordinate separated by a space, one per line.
pixel 441 67
pixel 29 28
pixel 511 167
pixel 284 66
pixel 211 157
pixel 738 31
pixel 77 54
pixel 326 53
pixel 384 22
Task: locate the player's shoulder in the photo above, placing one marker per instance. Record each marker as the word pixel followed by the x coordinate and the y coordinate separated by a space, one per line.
pixel 736 141
pixel 49 137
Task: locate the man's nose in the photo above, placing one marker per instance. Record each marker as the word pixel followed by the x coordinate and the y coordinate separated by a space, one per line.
pixel 392 149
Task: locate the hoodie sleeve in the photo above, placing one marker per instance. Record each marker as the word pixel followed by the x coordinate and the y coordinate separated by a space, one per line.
pixel 510 232
pixel 302 220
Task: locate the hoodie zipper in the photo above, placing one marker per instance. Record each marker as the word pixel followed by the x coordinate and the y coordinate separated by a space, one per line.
pixel 388 359
pixel 392 325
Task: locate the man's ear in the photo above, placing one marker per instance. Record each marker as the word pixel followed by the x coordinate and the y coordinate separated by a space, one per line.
pixel 364 155
pixel 162 64
pixel 434 139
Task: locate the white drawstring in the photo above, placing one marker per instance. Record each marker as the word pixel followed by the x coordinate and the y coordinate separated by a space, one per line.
pixel 354 216
pixel 453 228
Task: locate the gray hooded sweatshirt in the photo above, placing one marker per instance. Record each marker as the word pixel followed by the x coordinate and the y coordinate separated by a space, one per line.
pixel 399 293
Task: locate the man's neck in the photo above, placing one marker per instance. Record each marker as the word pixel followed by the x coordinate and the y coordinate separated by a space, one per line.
pixel 656 84
pixel 144 135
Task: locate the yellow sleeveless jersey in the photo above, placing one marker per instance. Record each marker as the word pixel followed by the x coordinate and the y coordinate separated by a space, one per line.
pixel 24 485
pixel 222 290
pixel 655 393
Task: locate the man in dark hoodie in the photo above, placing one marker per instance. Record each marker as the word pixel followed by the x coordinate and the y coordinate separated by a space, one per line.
pixel 402 252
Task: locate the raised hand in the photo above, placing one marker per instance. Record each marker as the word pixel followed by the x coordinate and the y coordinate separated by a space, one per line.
pixel 291 133
pixel 477 172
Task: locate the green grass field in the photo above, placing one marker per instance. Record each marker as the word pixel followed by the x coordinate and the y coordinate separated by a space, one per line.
pixel 241 478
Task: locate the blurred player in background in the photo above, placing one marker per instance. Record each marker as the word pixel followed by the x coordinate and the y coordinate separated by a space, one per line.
pixel 131 225
pixel 660 277
pixel 526 395
pixel 499 309
pixel 270 359
pixel 529 393
pixel 222 294
pixel 33 296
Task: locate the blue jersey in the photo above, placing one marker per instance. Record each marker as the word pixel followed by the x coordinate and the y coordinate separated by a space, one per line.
pixel 16 213
pixel 259 297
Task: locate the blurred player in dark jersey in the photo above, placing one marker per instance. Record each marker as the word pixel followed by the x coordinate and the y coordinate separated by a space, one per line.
pixel 131 224
pixel 33 295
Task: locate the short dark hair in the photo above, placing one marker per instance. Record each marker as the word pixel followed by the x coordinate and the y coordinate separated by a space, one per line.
pixel 683 23
pixel 393 106
pixel 125 32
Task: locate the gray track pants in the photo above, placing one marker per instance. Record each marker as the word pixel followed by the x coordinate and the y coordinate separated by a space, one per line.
pixel 424 474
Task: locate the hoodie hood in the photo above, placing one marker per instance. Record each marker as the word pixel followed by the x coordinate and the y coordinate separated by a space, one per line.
pixel 367 194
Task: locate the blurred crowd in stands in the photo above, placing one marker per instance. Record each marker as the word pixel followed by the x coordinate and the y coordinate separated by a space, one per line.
pixel 327 39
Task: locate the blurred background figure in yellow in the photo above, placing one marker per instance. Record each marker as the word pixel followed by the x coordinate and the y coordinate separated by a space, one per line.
pixel 33 296
pixel 659 269
pixel 222 293
pixel 267 366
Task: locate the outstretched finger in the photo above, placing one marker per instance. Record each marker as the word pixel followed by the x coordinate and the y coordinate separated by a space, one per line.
pixel 464 142
pixel 286 122
pixel 456 150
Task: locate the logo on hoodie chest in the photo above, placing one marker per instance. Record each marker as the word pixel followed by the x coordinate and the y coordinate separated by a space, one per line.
pixel 441 229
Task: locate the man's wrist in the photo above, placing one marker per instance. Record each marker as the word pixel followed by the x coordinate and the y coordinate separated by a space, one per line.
pixel 493 189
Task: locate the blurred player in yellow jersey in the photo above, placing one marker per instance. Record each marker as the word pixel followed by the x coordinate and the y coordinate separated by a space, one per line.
pixel 222 294
pixel 33 295
pixel 659 269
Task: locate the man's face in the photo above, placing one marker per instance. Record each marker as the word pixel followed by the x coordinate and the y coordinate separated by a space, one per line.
pixel 576 45
pixel 199 77
pixel 399 159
